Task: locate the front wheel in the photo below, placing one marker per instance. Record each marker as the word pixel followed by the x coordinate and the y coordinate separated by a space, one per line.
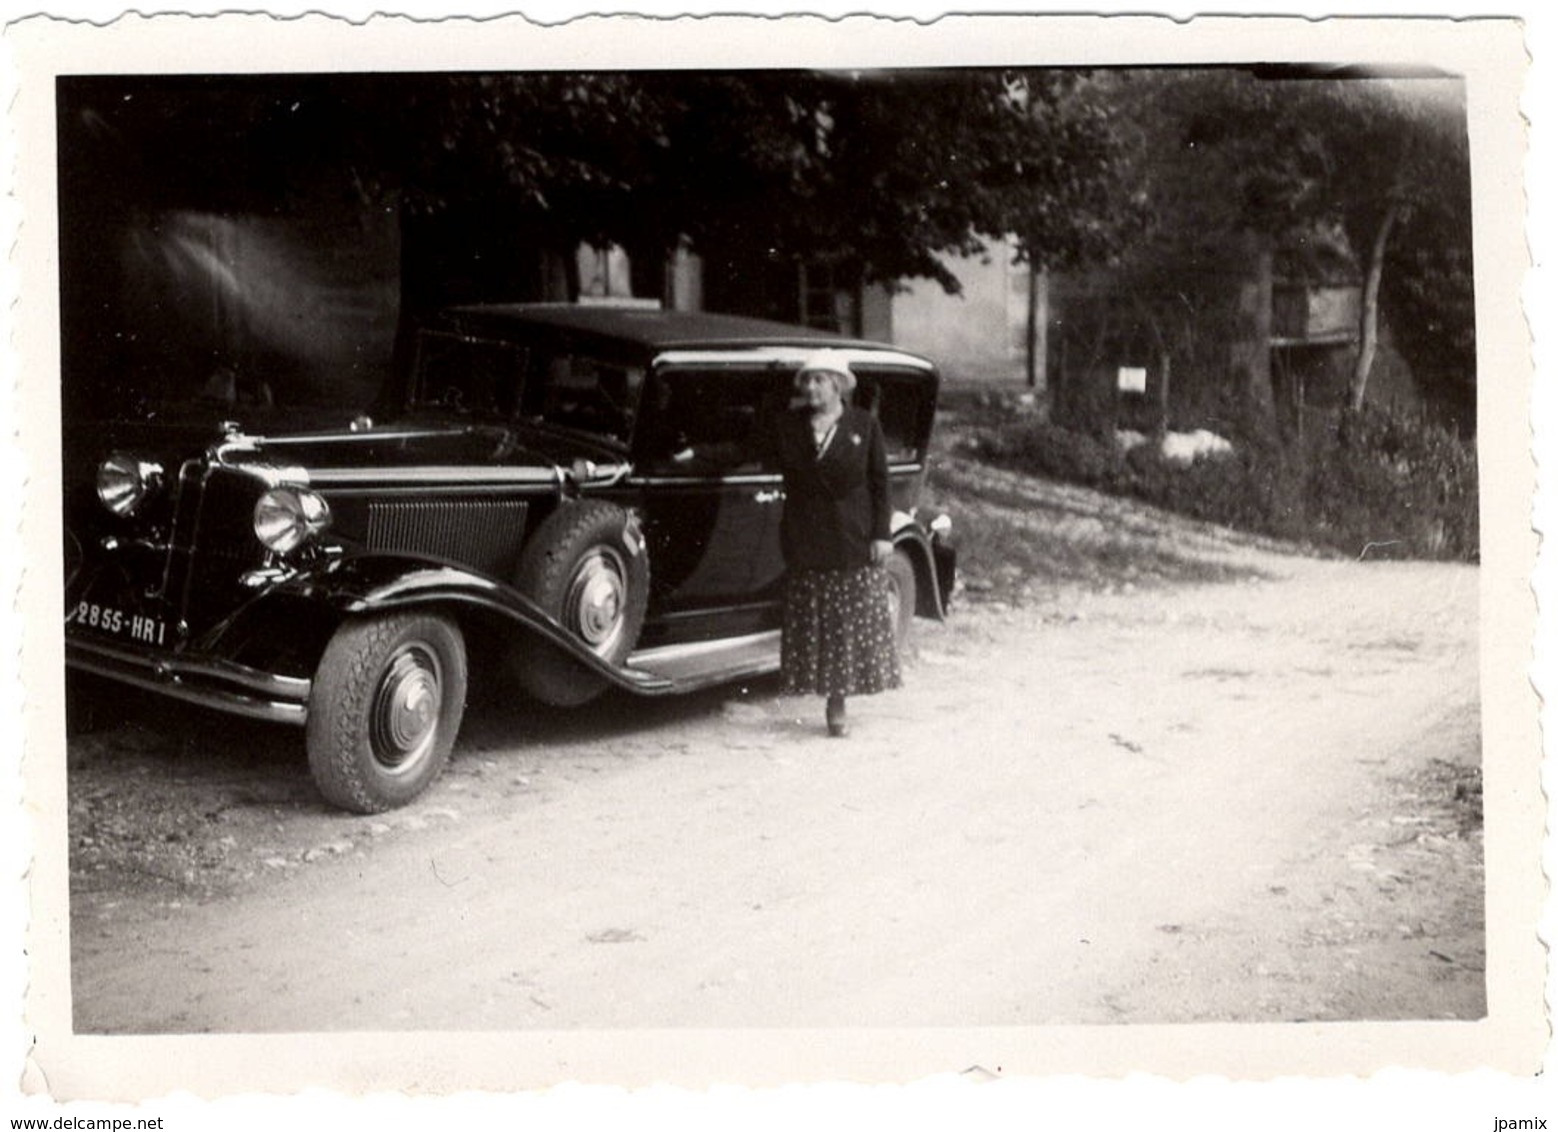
pixel 386 704
pixel 902 594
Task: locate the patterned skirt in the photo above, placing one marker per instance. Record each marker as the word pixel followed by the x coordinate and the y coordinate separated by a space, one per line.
pixel 838 633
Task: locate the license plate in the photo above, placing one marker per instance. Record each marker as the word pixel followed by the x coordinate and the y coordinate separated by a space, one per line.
pixel 118 623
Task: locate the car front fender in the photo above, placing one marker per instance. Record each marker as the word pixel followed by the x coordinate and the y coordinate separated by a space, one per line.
pixel 377 583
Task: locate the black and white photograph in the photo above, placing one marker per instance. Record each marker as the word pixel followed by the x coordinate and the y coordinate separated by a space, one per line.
pixel 1023 550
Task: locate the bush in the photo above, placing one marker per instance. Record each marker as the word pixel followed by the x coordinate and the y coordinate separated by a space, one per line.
pixel 1250 489
pixel 1378 483
pixel 1397 482
pixel 1050 450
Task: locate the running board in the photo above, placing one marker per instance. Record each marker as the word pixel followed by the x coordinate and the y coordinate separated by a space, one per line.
pixel 703 663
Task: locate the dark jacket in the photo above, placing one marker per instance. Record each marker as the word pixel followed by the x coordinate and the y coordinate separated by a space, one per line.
pixel 835 504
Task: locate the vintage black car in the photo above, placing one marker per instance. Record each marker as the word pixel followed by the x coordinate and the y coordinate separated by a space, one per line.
pixel 523 485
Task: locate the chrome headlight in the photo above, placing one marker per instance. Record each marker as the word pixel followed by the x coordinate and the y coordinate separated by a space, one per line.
pixel 287 517
pixel 124 482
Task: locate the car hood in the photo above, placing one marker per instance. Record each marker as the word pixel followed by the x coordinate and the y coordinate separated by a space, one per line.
pixel 414 445
pixel 393 450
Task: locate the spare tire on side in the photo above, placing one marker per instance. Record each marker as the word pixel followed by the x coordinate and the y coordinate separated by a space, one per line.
pixel 587 566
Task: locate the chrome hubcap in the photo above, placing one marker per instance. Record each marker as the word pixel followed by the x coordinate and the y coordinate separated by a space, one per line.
pixel 406 708
pixel 597 599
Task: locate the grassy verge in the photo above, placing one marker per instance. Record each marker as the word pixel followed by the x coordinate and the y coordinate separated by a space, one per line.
pixel 1377 484
pixel 1023 540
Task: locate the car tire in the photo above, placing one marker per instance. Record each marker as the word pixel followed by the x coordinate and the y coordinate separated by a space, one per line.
pixel 586 566
pixel 384 710
pixel 902 594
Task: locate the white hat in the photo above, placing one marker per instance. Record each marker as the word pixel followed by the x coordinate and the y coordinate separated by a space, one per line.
pixel 830 362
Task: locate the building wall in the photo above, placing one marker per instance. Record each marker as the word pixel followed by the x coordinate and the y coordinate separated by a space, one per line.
pixel 980 334
pixel 876 314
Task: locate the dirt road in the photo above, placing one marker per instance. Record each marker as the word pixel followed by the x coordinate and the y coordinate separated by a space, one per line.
pixel 1254 799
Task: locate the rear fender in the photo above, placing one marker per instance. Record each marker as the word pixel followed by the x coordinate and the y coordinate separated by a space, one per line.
pixel 911 538
pixel 380 583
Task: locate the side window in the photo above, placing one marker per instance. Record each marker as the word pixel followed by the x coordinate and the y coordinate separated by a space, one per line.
pixel 897 397
pixel 712 413
pixel 583 392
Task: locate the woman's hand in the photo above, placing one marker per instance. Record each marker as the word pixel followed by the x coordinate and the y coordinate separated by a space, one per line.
pixel 881 551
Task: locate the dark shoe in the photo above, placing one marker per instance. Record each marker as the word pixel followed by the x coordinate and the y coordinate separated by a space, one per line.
pixel 837 727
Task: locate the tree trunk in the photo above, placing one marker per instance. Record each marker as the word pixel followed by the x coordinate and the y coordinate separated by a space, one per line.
pixel 1164 370
pixel 1032 336
pixel 1250 349
pixel 1368 315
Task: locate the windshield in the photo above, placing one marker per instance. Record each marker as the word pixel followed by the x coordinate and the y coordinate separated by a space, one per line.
pixel 508 381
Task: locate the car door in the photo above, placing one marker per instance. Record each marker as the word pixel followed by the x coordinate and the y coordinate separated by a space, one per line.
pixel 711 501
pixel 902 399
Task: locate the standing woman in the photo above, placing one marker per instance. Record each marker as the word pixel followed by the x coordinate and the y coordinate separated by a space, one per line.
pixel 838 628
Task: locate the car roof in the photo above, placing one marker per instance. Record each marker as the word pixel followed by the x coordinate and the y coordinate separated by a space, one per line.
pixel 655 329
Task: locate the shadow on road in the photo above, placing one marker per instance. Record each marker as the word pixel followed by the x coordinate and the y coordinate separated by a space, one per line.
pixel 497 718
pixel 115 734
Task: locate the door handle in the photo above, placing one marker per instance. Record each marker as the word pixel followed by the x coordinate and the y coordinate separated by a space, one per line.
pixel 773 496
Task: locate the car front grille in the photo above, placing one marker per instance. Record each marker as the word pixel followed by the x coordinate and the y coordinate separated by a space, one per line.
pixel 213 540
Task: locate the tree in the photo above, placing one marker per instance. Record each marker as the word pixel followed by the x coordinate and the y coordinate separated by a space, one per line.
pixel 495 180
pixel 885 170
pixel 1385 161
pixel 1183 258
pixel 1082 202
pixel 1329 174
pixel 881 171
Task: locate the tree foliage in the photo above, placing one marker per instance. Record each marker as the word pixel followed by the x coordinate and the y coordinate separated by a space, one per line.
pixel 882 172
pixel 1374 170
pixel 1331 177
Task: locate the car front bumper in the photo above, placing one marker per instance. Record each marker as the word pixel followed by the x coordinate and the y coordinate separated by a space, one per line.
pixel 213 683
